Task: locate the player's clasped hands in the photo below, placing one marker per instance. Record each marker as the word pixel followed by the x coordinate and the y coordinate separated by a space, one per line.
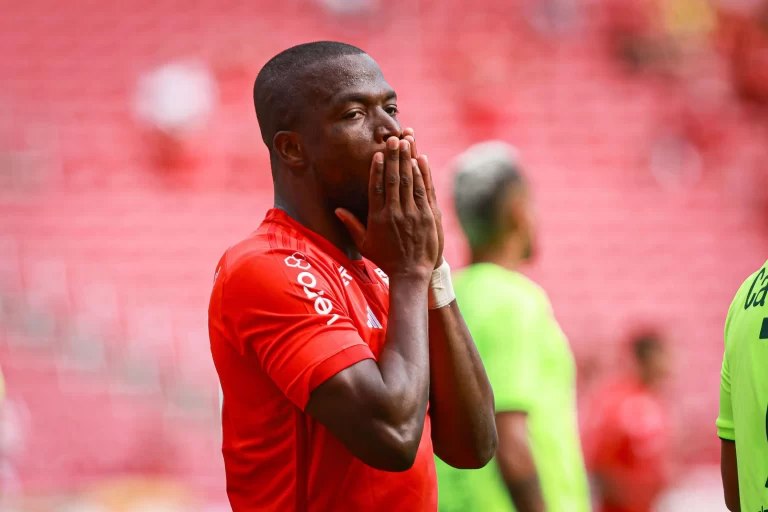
pixel 401 236
pixel 426 172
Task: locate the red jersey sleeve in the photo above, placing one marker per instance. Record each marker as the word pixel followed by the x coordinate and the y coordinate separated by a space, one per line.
pixel 290 312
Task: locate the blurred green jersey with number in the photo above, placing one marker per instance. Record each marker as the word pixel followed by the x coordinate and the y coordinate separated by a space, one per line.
pixel 744 388
pixel 531 369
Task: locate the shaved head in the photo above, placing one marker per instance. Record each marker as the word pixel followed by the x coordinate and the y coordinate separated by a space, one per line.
pixel 292 81
pixel 324 110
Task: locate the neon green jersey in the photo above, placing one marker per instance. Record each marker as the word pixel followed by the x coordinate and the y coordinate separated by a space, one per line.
pixel 744 388
pixel 531 368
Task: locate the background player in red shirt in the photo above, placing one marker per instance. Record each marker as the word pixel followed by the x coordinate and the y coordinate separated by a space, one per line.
pixel 628 440
pixel 343 375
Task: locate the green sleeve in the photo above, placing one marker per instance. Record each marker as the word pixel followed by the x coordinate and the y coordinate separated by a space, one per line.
pixel 725 426
pixel 509 353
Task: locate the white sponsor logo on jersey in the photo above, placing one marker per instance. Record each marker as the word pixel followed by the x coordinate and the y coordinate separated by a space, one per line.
pixel 308 281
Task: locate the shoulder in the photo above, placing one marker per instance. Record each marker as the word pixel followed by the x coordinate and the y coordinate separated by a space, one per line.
pixel 489 283
pixel 747 284
pixel 526 294
pixel 751 292
pixel 504 298
pixel 609 396
pixel 532 290
pixel 261 266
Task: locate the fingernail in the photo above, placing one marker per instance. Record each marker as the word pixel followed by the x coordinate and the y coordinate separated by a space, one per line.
pixel 414 163
pixel 378 158
pixel 392 143
pixel 405 145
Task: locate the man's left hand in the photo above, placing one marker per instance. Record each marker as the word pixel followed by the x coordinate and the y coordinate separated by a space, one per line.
pixel 426 171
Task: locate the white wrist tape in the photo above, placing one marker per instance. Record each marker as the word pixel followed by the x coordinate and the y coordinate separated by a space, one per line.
pixel 440 287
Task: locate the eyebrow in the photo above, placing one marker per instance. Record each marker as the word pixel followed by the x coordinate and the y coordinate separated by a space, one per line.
pixel 357 97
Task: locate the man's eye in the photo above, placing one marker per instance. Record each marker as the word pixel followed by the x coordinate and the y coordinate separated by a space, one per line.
pixel 355 114
pixel 392 110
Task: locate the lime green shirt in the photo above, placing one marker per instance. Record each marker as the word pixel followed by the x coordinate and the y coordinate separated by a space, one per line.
pixel 744 388
pixel 531 368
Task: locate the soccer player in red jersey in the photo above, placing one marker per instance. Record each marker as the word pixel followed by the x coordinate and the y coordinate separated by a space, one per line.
pixel 344 362
pixel 628 440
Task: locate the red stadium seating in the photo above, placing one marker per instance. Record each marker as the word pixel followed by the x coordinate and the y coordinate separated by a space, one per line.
pixel 110 265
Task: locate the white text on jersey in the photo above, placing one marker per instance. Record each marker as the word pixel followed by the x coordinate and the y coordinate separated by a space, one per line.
pixel 308 281
pixel 345 277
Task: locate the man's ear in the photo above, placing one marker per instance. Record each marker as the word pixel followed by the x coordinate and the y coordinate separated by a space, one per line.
pixel 288 148
pixel 511 214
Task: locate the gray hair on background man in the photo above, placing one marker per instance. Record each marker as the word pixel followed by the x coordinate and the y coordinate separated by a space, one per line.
pixel 484 173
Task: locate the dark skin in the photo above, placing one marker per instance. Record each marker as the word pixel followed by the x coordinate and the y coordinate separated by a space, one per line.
pixel 351 174
pixel 516 464
pixel 730 473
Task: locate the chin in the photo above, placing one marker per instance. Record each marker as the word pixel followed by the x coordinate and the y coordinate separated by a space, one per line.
pixel 359 211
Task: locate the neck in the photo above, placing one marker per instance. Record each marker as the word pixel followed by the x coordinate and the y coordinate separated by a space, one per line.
pixel 509 254
pixel 316 217
pixel 648 382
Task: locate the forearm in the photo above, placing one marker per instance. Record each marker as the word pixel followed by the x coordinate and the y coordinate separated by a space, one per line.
pixel 461 401
pixel 377 408
pixel 730 475
pixel 404 360
pixel 525 491
pixel 516 464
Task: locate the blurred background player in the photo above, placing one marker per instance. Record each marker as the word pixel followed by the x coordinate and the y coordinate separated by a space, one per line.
pixel 743 421
pixel 628 434
pixel 538 464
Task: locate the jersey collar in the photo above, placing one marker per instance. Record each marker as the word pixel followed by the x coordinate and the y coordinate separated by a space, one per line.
pixel 279 216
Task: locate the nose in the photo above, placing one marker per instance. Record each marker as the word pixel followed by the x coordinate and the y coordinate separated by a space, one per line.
pixel 386 127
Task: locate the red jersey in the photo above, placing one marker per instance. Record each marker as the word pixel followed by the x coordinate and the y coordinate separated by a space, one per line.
pixel 288 311
pixel 627 440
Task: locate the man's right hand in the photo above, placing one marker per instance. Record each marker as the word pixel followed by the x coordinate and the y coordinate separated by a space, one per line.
pixel 377 408
pixel 401 236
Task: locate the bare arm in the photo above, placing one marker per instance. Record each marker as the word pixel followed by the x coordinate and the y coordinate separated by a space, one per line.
pixel 461 398
pixel 377 409
pixel 730 475
pixel 516 463
pixel 462 410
